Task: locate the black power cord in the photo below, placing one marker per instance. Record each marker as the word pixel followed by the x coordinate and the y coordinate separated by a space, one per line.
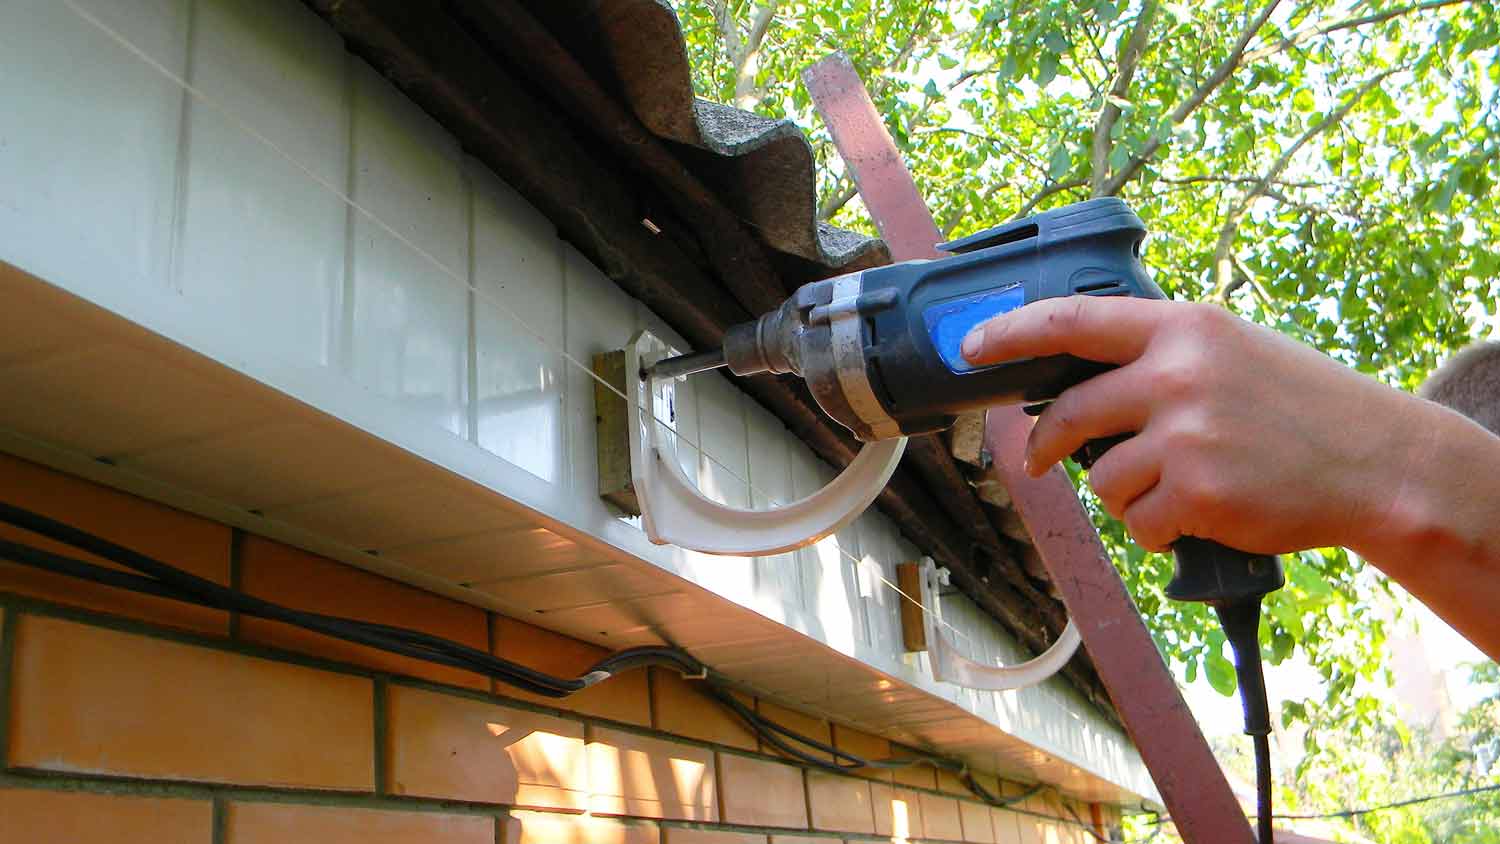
pixel 156 578
pixel 1159 820
pixel 1241 623
pixel 167 581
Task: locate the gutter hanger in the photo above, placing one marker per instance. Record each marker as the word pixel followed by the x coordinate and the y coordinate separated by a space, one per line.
pixel 950 666
pixel 674 512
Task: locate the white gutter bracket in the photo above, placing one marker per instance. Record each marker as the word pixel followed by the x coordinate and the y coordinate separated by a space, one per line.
pixel 674 512
pixel 950 666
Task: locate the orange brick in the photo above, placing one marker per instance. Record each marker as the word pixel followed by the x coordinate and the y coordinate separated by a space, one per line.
pixel 940 818
pixel 1046 802
pixel 951 783
pixel 865 746
pixel 626 697
pixel 685 835
pixel 196 545
pixel 74 816
pixel 651 778
pixel 460 749
pixel 840 804
pixel 1007 825
pixel 898 811
pixel 989 782
pixel 279 823
pixel 305 581
pixel 1033 828
pixel 681 707
pixel 92 700
pixel 815 728
pixel 761 793
pixel 1074 815
pixel 547 828
pixel 916 776
pixel 978 827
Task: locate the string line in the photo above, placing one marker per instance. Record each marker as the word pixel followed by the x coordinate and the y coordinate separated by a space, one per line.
pixel 480 295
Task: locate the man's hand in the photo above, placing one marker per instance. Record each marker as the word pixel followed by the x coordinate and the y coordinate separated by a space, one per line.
pixel 1241 435
pixel 1246 437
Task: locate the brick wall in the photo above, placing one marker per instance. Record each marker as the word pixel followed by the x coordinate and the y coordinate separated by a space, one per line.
pixel 135 719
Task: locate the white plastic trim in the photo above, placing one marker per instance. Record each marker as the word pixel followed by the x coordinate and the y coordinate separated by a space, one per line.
pixel 950 666
pixel 674 512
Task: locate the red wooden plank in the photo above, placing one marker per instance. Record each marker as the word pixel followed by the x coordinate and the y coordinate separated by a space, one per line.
pixel 1153 711
pixel 885 185
pixel 1159 722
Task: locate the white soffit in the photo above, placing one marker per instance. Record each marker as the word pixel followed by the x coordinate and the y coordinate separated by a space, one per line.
pixel 93 394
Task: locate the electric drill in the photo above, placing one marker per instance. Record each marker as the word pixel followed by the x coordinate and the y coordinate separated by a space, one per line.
pixel 879 350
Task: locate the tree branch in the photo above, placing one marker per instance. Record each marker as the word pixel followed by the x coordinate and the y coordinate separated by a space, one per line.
pixel 843 191
pixel 1235 180
pixel 1003 144
pixel 761 23
pixel 729 30
pixel 1185 109
pixel 1224 281
pixel 743 51
pixel 748 64
pixel 1130 58
pixel 1304 35
pixel 1049 190
pixel 1088 32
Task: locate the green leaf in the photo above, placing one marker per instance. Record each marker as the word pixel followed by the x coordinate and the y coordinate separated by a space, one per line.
pixel 1060 163
pixel 1282 646
pixel 1292 711
pixel 1284 609
pixel 946 62
pixel 1055 42
pixel 1046 69
pixel 1220 672
pixel 1303 100
pixel 931 90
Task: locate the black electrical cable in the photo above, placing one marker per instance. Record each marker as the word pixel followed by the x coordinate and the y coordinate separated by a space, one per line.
pixel 159 579
pixel 1161 820
pixel 841 761
pixel 1398 804
pixel 1263 787
pixel 168 581
pixel 1241 622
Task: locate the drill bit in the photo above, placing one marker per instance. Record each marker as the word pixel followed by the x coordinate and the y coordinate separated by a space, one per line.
pixel 676 367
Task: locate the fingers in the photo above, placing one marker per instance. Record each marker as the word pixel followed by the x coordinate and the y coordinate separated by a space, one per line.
pixel 1114 402
pixel 1105 329
pixel 1150 519
pixel 1125 473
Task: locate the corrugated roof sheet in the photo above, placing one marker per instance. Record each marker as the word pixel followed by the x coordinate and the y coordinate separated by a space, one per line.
pixel 761 167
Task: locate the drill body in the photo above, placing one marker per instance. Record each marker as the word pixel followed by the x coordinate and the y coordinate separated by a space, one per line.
pixel 879 348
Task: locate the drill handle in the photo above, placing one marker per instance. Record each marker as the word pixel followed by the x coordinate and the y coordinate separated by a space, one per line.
pixel 1205 570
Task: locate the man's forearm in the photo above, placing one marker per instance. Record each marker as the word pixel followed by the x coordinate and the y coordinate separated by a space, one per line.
pixel 1440 538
